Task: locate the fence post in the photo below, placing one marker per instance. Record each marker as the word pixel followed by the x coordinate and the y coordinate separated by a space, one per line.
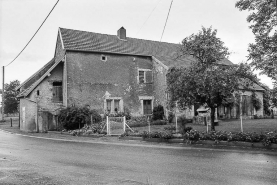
pixel 107 122
pixel 124 123
pixel 11 122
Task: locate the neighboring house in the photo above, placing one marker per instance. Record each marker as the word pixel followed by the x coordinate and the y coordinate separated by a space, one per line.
pixel 244 104
pixel 106 72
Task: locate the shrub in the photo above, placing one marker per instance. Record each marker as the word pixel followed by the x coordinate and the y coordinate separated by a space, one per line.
pixel 187 129
pixel 163 135
pixel 170 128
pixel 159 122
pixel 126 113
pixel 266 139
pixel 76 117
pixel 170 117
pixel 138 121
pixel 158 112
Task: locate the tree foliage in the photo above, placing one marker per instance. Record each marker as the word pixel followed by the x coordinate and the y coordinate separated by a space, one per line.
pixel 205 81
pixel 10 100
pixel 263 19
pixel 205 47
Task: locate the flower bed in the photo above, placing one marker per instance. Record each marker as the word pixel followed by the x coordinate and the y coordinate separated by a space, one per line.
pixel 266 139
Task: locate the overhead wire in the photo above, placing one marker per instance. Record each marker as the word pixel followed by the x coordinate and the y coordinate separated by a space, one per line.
pixel 166 20
pixel 33 35
pixel 148 17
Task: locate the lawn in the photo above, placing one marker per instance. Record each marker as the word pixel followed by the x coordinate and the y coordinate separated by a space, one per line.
pixel 250 125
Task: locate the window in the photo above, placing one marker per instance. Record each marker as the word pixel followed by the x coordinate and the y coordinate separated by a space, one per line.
pixel 147 107
pixel 141 77
pixel 113 105
pixel 37 92
pixel 109 106
pixel 144 76
pixel 57 92
pixel 104 58
pixel 146 103
pixel 116 106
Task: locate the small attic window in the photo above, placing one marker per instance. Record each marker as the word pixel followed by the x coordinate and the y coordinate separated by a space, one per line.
pixel 37 92
pixel 104 58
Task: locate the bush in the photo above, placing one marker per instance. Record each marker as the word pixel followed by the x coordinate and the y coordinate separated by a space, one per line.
pixel 170 117
pixel 266 139
pixel 158 113
pixel 159 122
pixel 76 117
pixel 138 121
pixel 162 135
pixel 187 129
pixel 126 113
pixel 170 128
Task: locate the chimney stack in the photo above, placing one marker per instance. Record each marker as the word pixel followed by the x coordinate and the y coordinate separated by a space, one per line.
pixel 121 33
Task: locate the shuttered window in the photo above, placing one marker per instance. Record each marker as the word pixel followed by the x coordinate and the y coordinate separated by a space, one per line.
pixel 57 92
pixel 144 76
pixel 141 77
pixel 116 106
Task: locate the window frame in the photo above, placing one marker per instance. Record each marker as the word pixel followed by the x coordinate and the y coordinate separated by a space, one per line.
pixel 142 98
pixel 113 99
pixel 104 60
pixel 57 92
pixel 144 75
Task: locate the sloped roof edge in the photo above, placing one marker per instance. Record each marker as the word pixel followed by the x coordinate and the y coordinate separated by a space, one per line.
pixel 34 85
pixel 23 83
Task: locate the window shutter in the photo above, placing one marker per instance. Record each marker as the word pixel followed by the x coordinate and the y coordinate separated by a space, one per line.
pixel 148 76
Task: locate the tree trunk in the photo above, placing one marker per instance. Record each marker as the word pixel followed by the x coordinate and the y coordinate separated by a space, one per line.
pixel 212 118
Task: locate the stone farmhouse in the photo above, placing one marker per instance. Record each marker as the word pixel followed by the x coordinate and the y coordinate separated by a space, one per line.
pixel 105 72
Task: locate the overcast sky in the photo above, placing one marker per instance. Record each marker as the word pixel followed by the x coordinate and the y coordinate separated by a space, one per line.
pixel 19 19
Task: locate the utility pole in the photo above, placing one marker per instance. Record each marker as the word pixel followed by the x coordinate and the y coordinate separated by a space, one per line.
pixel 3 93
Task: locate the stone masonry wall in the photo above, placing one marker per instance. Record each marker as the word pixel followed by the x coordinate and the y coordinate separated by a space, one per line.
pixel 159 78
pixel 45 100
pixel 89 78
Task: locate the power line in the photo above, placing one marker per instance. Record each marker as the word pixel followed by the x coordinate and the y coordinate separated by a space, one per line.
pixel 166 20
pixel 33 35
pixel 148 17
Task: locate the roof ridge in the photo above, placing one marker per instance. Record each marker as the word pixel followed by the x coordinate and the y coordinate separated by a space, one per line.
pixel 119 39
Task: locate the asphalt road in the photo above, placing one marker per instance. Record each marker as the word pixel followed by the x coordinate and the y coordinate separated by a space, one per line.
pixel 25 160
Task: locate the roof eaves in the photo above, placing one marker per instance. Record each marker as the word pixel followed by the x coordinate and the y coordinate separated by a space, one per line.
pixel 34 85
pixel 18 87
pixel 117 53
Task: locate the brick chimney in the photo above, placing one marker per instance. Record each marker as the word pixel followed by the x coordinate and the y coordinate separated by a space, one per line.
pixel 121 33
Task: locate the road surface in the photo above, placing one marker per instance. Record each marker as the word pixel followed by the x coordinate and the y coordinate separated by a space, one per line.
pixel 25 160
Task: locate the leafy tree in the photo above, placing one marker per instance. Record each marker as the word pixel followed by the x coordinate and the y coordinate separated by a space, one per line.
pixel 10 100
pixel 205 81
pixel 262 53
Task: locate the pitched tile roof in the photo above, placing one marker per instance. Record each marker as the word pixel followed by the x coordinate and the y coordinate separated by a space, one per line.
pixel 89 41
pixel 40 75
pixel 27 83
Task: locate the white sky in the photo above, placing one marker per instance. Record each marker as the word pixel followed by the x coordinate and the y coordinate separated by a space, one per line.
pixel 19 19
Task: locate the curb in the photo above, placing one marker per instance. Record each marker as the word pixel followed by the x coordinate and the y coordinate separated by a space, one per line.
pixel 182 144
pixel 203 142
